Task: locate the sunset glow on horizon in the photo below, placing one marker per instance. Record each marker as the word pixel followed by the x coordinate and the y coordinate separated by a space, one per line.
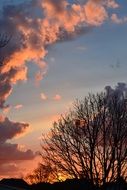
pixel 58 51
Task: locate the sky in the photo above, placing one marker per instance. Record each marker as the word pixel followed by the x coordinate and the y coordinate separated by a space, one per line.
pixel 58 51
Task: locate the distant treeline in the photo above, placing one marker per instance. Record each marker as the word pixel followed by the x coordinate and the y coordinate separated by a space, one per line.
pixel 69 184
pixel 82 184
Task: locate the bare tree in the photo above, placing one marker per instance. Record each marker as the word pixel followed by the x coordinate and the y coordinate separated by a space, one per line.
pixel 91 141
pixel 43 173
pixel 118 113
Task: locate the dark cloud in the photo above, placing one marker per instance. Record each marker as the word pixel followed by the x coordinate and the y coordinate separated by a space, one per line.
pixel 79 31
pixel 9 151
pixel 120 92
pixel 10 129
pixel 12 152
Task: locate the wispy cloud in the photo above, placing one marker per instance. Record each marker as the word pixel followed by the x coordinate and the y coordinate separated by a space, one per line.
pixel 41 73
pixel 18 106
pixel 81 48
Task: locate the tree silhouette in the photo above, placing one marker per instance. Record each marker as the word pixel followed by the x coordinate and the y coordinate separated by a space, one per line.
pixel 43 173
pixel 90 141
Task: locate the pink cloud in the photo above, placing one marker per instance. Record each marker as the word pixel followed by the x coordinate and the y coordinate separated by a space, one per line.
pixel 9 151
pixel 118 20
pixel 18 106
pixel 57 97
pixel 112 4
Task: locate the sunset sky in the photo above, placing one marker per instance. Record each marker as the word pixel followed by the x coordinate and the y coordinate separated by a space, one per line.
pixel 59 51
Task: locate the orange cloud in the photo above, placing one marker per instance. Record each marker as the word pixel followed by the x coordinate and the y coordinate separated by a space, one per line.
pixel 6 110
pixel 95 13
pixel 92 13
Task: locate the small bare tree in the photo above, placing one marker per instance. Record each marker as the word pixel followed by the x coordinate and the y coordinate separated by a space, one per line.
pixel 43 173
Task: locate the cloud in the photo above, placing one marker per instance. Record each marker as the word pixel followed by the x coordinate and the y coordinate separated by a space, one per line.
pixel 34 25
pixel 18 106
pixel 11 152
pixel 6 110
pixel 8 169
pixel 57 97
pixel 16 153
pixel 7 79
pixel 119 91
pixel 118 20
pixel 41 73
pixel 112 4
pixel 43 96
pixel 10 129
pixel 81 48
pixel 95 13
